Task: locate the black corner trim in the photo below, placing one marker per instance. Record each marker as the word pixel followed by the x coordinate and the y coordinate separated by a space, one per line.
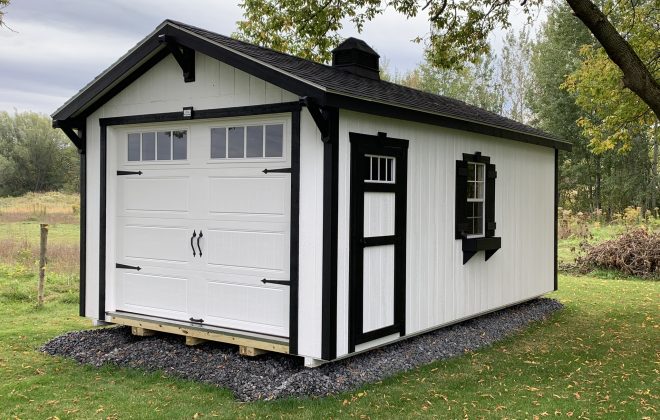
pixel 103 219
pixel 83 224
pixel 556 270
pixel 294 245
pixel 184 56
pixel 330 211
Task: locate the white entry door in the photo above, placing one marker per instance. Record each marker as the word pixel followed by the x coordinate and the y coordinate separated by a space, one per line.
pixel 208 228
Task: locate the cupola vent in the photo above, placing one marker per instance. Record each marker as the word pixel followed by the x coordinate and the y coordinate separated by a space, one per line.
pixel 355 56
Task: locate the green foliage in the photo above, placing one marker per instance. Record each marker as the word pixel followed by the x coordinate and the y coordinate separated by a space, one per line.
pixel 497 84
pixel 35 157
pixel 476 84
pixel 458 29
pixel 3 4
pixel 615 116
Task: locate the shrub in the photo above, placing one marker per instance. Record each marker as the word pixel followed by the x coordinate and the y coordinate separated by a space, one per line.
pixel 636 252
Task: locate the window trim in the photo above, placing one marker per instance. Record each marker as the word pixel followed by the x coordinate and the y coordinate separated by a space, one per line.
pixel 245 125
pixel 155 160
pixel 481 200
pixel 488 242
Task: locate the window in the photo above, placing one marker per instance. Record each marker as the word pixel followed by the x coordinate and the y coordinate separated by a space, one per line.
pixel 158 145
pixel 475 205
pixel 379 169
pixel 475 197
pixel 247 142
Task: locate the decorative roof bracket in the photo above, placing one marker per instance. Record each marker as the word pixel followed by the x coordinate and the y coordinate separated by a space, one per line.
pixel 183 55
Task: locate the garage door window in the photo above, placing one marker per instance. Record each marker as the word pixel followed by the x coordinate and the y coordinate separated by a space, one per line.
pixel 159 145
pixel 247 142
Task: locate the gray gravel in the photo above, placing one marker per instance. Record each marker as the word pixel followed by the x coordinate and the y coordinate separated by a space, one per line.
pixel 272 375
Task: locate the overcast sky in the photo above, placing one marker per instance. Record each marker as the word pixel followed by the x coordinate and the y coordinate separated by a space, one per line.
pixel 54 48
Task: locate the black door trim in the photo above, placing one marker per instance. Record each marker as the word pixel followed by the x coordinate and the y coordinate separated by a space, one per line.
pixel 286 107
pixel 379 145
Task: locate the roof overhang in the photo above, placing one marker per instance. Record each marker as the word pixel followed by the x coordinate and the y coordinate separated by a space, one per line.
pixel 152 50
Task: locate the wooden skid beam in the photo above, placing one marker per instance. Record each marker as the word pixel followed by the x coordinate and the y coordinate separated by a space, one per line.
pixel 152 326
pixel 193 341
pixel 249 351
pixel 142 332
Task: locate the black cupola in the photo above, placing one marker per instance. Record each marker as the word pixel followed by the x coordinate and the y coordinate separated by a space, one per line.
pixel 355 56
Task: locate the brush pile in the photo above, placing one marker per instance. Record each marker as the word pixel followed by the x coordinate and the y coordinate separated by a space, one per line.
pixel 635 253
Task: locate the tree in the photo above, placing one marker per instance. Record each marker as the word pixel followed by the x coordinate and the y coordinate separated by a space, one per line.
pixel 592 177
pixel 515 75
pixel 614 114
pixel 34 157
pixel 555 55
pixel 458 32
pixel 475 84
pixel 3 4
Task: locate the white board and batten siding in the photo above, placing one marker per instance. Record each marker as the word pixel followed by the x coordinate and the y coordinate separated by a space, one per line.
pixel 439 288
pixel 162 89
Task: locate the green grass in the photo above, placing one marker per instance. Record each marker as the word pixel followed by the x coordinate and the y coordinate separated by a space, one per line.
pixel 60 233
pixel 596 358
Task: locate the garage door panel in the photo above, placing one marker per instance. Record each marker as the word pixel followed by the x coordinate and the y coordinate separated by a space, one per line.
pixel 248 195
pixel 153 194
pixel 165 244
pixel 248 307
pixel 153 294
pixel 248 249
pixel 244 215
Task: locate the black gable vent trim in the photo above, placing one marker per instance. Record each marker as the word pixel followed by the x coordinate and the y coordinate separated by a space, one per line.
pixel 355 56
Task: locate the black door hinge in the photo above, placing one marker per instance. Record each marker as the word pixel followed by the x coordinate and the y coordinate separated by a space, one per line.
pixel 128 267
pixel 129 173
pixel 279 171
pixel 282 282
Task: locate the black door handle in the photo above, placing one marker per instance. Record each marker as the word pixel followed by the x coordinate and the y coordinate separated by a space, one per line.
pixel 198 320
pixel 191 242
pixel 199 247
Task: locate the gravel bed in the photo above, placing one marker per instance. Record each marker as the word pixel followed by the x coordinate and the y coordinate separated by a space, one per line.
pixel 273 375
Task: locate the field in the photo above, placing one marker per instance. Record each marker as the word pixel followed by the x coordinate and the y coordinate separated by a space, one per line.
pixel 598 357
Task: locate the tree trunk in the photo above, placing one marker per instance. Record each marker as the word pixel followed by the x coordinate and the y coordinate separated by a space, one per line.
pixel 654 172
pixel 42 264
pixel 597 203
pixel 636 76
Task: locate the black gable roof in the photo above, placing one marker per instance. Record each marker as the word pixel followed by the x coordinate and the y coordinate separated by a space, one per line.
pixel 339 87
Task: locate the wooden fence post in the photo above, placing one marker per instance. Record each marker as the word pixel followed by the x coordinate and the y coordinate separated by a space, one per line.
pixel 42 263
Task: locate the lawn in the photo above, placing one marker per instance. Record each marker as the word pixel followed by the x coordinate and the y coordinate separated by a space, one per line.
pixel 599 357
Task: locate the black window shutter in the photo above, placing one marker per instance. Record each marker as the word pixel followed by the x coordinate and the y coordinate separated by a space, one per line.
pixel 461 198
pixel 491 174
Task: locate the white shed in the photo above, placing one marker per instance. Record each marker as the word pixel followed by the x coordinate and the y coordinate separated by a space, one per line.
pixel 236 193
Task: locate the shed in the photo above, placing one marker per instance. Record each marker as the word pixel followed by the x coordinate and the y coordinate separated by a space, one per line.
pixel 240 194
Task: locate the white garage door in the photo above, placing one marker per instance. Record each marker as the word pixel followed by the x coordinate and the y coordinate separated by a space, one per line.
pixel 205 224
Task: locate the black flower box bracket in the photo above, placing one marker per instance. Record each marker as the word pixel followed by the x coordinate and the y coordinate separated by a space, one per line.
pixel 473 245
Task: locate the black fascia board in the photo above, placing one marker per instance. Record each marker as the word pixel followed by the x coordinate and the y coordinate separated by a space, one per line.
pixel 152 51
pixel 392 111
pixel 241 62
pixel 121 70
